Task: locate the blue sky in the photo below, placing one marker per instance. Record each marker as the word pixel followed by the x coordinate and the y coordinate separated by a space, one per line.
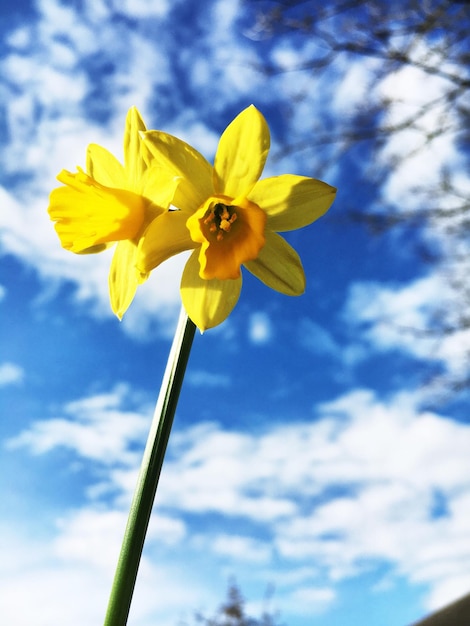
pixel 308 452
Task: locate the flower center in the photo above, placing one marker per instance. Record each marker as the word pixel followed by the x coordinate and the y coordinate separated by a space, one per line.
pixel 229 234
pixel 220 219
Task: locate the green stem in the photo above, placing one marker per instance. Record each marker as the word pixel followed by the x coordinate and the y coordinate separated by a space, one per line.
pixel 147 482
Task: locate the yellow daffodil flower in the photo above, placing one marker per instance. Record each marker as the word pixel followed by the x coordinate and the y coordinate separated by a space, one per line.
pixel 114 203
pixel 231 218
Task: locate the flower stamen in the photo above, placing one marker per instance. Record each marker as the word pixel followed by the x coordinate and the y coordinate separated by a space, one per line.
pixel 220 218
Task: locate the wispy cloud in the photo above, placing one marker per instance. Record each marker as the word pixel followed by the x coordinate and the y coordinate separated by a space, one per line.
pixel 316 338
pixel 201 378
pixel 10 374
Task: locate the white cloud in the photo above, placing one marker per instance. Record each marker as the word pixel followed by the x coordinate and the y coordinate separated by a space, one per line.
pixel 19 38
pixel 214 476
pixel 370 482
pixel 286 57
pixel 48 84
pixel 227 70
pixel 59 21
pixel 394 459
pixel 241 548
pixel 10 374
pixel 169 530
pixel 403 306
pixel 424 146
pixel 354 85
pixel 309 600
pixel 410 317
pixel 94 428
pixel 47 91
pixel 142 8
pixel 259 328
pixel 101 531
pixel 66 579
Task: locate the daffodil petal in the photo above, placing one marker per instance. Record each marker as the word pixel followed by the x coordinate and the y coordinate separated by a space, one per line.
pixel 291 201
pixel 103 167
pixel 184 162
pixel 133 161
pixel 207 302
pixel 166 236
pixel 124 277
pixel 278 266
pixel 158 186
pixel 87 213
pixel 241 154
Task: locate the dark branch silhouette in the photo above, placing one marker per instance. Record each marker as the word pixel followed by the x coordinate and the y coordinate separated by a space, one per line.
pixel 431 38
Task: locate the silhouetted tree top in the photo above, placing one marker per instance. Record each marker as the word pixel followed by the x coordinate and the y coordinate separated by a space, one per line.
pixel 232 612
